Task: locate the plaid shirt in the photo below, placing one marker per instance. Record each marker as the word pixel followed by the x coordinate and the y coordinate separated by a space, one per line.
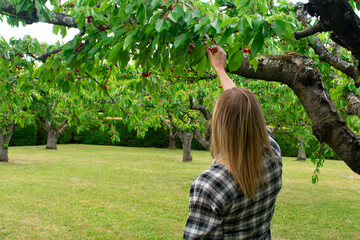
pixel 218 208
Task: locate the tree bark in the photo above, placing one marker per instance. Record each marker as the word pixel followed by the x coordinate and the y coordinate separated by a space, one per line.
pixel 299 74
pixel 4 154
pixel 56 19
pixel 172 138
pixel 5 137
pixel 353 107
pixel 53 133
pixel 52 140
pixel 301 150
pixel 339 17
pixel 186 139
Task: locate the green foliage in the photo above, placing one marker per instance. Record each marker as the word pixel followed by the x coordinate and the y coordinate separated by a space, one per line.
pixel 168 40
pixel 24 136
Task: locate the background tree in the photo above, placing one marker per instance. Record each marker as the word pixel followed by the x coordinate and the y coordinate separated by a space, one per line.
pixel 14 92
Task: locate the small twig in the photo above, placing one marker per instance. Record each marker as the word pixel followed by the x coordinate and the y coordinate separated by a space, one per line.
pixel 188 5
pixel 101 87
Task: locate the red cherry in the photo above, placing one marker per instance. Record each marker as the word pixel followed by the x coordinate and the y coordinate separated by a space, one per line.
pixel 149 98
pixel 191 47
pixel 171 70
pixel 72 5
pixel 220 86
pixel 11 71
pixel 171 7
pixel 198 20
pixel 212 50
pixel 179 76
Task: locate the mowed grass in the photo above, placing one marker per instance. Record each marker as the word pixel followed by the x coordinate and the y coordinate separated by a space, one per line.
pixel 103 192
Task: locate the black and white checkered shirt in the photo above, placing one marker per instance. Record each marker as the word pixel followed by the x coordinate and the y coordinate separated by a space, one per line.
pixel 218 208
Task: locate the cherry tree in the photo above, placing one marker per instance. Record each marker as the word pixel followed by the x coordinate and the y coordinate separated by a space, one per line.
pixel 14 93
pixel 263 40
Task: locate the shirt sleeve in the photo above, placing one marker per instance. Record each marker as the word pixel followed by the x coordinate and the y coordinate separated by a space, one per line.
pixel 205 217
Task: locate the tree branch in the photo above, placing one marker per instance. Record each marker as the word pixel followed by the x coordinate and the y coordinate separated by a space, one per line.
pixel 56 18
pixel 353 107
pixel 337 62
pixel 101 87
pixel 206 113
pixel 298 72
pixel 339 17
pixel 309 31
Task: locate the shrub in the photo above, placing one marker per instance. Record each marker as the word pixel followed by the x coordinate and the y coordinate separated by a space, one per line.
pixel 24 136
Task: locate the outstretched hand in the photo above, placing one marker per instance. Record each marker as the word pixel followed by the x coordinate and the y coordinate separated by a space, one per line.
pixel 217 57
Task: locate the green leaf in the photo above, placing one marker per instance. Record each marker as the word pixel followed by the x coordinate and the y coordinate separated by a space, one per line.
pixel 81 20
pixel 161 25
pixel 226 35
pixel 176 13
pixel 257 43
pixel 235 61
pixel 202 66
pixel 124 58
pixel 249 20
pixel 95 49
pixel 254 63
pixel 114 53
pixel 128 40
pixel 279 27
pixel 180 39
pixel 21 6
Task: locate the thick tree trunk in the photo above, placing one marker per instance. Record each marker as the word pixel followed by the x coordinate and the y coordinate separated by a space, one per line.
pixel 186 139
pixel 4 156
pixel 52 140
pixel 5 136
pixel 53 133
pixel 172 143
pixel 301 150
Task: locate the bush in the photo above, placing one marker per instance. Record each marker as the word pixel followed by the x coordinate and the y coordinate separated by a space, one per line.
pixel 25 136
pixel 41 134
pixel 288 143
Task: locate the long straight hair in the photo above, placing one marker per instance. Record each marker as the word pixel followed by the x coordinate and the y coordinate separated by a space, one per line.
pixel 239 135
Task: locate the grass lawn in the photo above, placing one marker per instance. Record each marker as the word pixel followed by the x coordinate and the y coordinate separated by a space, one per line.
pixel 103 192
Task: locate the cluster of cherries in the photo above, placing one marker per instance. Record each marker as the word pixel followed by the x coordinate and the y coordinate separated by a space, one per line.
pixel 146 74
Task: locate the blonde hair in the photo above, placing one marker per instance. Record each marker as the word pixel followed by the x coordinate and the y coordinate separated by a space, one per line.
pixel 239 135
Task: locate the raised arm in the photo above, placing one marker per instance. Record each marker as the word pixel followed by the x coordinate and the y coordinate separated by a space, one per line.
pixel 217 57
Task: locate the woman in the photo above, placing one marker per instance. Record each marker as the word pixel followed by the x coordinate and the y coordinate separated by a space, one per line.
pixel 235 198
